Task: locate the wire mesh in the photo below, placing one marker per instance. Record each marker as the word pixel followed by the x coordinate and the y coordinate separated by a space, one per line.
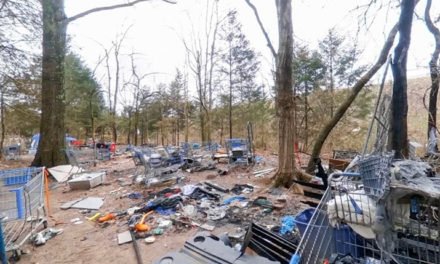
pixel 21 205
pixel 403 228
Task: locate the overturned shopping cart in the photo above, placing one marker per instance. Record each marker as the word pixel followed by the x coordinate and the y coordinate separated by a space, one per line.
pixel 370 217
pixel 22 209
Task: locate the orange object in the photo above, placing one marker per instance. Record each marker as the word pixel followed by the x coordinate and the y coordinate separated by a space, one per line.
pixel 106 218
pixel 141 226
pixel 46 187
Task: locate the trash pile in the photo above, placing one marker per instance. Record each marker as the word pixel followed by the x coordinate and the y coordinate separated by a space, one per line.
pixel 383 211
pixel 206 206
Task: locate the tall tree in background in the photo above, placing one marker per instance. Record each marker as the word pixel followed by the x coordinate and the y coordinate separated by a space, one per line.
pixel 175 90
pixel 398 136
pixel 84 103
pixel 239 64
pixel 202 55
pixel 339 59
pixel 354 91
pixel 309 71
pixel 50 150
pixel 435 82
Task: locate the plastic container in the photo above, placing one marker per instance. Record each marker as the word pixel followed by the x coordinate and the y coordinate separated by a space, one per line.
pixel 346 240
pixel 375 172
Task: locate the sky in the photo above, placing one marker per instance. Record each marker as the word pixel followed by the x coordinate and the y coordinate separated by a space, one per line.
pixel 157 28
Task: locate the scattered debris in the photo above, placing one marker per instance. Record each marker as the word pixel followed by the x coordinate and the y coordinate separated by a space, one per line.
pixel 42 237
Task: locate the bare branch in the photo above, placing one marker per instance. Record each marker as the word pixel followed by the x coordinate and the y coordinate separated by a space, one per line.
pixel 105 8
pixel 269 43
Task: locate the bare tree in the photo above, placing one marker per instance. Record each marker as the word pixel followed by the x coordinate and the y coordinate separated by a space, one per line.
pixel 202 56
pixel 50 150
pixel 435 82
pixel 285 100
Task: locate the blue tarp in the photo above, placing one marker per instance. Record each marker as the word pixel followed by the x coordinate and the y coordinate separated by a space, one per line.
pixel 36 140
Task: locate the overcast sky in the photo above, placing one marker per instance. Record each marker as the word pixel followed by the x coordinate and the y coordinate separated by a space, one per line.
pixel 157 28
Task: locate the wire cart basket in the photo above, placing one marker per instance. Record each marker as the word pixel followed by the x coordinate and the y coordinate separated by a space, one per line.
pixel 351 225
pixel 22 209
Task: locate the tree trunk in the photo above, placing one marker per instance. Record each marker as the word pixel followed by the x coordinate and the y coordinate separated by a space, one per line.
pixel 2 117
pixel 230 91
pixel 340 111
pixel 285 102
pixel 51 147
pixel 115 96
pixel 186 112
pixel 398 139
pixel 136 126
pixel 306 119
pixel 129 128
pixel 434 70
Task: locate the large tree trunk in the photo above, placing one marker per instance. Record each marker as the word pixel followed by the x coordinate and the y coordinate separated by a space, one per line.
pixel 433 67
pixel 340 111
pixel 2 117
pixel 285 102
pixel 51 147
pixel 398 136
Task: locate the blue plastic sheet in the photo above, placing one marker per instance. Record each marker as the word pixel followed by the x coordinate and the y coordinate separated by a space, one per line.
pixel 287 224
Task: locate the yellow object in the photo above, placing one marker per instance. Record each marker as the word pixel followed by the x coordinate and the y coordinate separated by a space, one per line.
pixel 95 217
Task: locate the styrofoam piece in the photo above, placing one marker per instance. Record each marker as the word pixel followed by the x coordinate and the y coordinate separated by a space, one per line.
pixel 63 172
pixel 124 237
pixel 92 203
pixel 87 180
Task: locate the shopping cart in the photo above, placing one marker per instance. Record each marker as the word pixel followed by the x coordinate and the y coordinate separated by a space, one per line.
pixel 83 158
pixel 22 209
pixel 367 227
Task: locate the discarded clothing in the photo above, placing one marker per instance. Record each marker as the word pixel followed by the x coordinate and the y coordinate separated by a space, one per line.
pixel 162 211
pixel 188 189
pixel 200 193
pixel 135 195
pixel 242 188
pixel 263 202
pixel 232 199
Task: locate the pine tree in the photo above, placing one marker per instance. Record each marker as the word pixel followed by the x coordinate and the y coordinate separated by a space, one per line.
pixel 239 64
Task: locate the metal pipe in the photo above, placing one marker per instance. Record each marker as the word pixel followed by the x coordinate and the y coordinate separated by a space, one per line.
pixel 379 96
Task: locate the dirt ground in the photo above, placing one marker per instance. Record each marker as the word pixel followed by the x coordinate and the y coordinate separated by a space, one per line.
pixel 90 242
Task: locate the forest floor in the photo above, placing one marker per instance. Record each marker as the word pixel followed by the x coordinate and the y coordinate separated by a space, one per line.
pixel 90 242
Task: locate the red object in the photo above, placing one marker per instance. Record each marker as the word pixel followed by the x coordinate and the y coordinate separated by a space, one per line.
pixel 113 147
pixel 77 143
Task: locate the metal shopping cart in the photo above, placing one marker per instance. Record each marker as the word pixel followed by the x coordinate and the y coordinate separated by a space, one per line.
pixel 370 221
pixel 22 209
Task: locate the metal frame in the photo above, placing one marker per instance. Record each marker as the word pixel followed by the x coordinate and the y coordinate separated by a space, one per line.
pixel 395 229
pixel 22 209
